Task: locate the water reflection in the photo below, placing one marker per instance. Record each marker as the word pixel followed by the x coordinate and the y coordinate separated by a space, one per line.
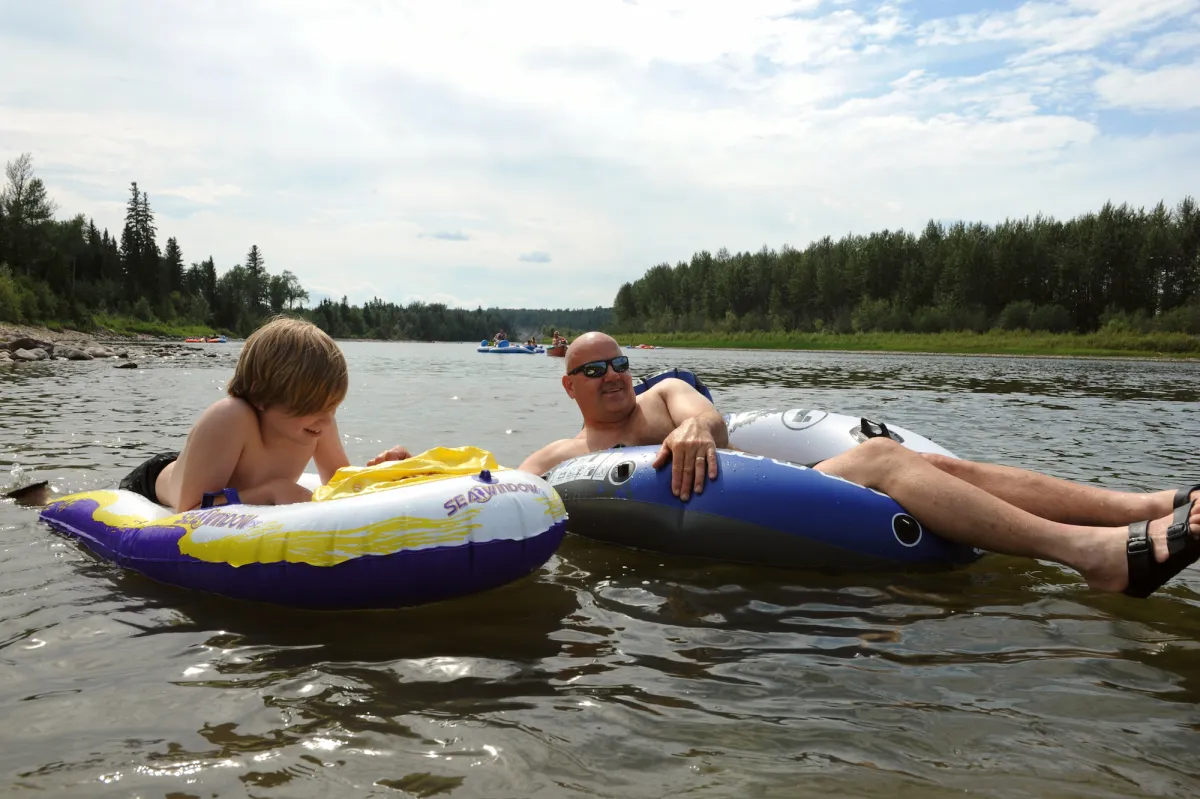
pixel 609 672
pixel 1159 381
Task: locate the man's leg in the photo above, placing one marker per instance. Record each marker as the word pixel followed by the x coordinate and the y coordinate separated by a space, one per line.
pixel 963 512
pixel 1058 500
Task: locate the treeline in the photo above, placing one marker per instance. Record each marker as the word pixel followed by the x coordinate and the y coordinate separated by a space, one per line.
pixel 416 321
pixel 419 321
pixel 568 321
pixel 69 272
pixel 1124 268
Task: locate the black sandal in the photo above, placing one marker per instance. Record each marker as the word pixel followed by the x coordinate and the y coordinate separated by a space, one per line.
pixel 1147 575
pixel 1181 496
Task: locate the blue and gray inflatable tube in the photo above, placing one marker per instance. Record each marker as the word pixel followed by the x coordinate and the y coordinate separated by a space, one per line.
pixel 765 507
pixel 758 511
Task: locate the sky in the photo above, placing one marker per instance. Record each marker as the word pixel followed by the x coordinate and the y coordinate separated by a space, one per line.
pixel 539 153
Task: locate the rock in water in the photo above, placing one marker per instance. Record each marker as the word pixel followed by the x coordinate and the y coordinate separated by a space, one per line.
pixel 27 343
pixel 72 354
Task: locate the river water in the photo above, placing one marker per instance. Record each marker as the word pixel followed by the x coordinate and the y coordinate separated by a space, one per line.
pixel 607 673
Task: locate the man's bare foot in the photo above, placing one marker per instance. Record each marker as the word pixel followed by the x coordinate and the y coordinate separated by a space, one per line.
pixel 1104 563
pixel 1163 502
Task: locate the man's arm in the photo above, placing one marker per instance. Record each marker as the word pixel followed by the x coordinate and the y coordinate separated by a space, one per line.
pixel 281 491
pixel 692 445
pixel 553 454
pixel 396 453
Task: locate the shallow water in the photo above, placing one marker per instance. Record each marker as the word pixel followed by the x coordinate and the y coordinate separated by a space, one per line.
pixel 609 672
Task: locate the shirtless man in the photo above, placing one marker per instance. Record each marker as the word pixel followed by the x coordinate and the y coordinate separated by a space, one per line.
pixel 1099 533
pixel 289 380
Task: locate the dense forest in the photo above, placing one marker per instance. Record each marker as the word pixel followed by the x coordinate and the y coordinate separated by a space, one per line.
pixel 564 320
pixel 436 322
pixel 1120 268
pixel 1135 270
pixel 69 272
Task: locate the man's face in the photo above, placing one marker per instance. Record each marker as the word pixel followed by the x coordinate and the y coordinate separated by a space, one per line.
pixel 607 397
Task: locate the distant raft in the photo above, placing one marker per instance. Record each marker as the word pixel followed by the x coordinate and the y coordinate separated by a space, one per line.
pixel 443 524
pixel 508 348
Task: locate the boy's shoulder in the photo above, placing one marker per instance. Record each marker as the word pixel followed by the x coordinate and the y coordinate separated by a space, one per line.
pixel 229 411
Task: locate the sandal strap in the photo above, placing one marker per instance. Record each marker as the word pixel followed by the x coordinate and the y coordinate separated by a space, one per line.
pixel 1138 551
pixel 1182 496
pixel 1178 532
pixel 1146 575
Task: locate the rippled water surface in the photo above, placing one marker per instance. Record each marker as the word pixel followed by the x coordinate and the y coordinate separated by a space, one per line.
pixel 607 673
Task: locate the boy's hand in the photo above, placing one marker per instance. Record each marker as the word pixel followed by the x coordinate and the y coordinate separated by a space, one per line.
pixel 396 453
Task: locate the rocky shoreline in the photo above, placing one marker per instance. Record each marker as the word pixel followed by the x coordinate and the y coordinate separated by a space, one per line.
pixel 21 344
pixel 9 330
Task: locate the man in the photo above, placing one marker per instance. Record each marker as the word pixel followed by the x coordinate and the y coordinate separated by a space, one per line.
pixel 1099 533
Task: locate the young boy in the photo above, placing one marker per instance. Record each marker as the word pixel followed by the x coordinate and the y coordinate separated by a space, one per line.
pixel 279 415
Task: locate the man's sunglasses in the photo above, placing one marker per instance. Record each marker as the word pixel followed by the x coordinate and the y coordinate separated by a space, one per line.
pixel 596 369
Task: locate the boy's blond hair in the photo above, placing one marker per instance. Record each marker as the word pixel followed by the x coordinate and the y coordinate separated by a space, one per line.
pixel 291 363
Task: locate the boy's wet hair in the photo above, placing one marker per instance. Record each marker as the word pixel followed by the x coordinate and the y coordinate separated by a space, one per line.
pixel 293 364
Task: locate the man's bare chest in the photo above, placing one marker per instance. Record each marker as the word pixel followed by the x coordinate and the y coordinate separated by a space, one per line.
pixel 644 428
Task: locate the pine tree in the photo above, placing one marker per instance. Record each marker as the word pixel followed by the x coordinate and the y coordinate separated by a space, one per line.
pixel 131 245
pixel 172 267
pixel 259 283
pixel 26 208
pixel 150 268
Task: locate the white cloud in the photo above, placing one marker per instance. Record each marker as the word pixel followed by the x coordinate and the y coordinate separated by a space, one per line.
pixel 206 192
pixel 1171 88
pixel 415 149
pixel 1059 26
pixel 1186 40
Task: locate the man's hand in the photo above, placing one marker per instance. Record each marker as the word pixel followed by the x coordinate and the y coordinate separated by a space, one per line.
pixel 693 453
pixel 396 453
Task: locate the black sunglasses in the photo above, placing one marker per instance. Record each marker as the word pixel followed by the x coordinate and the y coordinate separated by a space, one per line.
pixel 596 369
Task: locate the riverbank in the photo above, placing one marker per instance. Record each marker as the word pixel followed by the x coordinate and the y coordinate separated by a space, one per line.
pixel 106 328
pixel 1104 343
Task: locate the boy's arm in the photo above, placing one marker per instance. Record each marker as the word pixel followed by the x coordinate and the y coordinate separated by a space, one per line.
pixel 553 454
pixel 212 452
pixel 275 492
pixel 330 455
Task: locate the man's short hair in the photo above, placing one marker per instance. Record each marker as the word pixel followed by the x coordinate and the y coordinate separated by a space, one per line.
pixel 291 363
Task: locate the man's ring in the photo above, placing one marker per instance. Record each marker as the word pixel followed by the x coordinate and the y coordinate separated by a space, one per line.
pixel 700 458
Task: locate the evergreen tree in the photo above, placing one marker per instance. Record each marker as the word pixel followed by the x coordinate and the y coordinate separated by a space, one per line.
pixel 258 284
pixel 150 268
pixel 131 243
pixel 172 262
pixel 27 209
